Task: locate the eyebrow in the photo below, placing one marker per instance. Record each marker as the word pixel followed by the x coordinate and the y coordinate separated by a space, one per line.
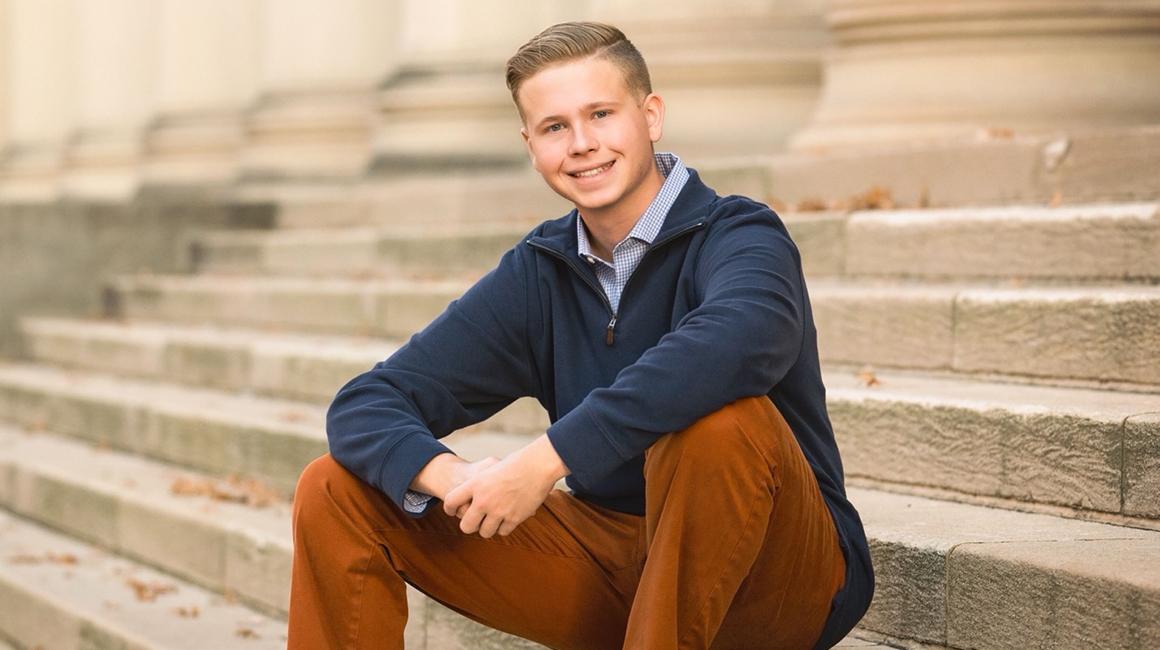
pixel 587 107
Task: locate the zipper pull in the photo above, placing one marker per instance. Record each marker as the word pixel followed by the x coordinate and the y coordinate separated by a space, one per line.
pixel 608 334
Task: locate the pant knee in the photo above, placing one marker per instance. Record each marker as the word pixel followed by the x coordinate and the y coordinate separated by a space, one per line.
pixel 316 483
pixel 744 428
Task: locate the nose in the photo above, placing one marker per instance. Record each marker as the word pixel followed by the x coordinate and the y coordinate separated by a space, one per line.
pixel 583 140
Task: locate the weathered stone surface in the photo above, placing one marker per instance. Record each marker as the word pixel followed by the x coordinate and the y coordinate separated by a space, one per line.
pixel 821 239
pixel 91 603
pixel 191 547
pixel 912 538
pixel 66 505
pixel 888 325
pixel 1087 241
pixel 450 630
pixel 207 430
pixel 1142 464
pixel 1032 443
pixel 1101 334
pixel 258 563
pixel 403 309
pixel 1068 594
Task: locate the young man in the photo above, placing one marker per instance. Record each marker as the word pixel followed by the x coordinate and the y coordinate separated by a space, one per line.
pixel 668 332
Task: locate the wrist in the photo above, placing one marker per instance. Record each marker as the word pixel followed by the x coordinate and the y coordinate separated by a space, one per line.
pixel 552 463
pixel 438 476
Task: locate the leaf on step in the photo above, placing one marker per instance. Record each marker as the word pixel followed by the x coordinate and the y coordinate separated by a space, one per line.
pixel 247 633
pixel 293 416
pixel 248 491
pixel 875 198
pixel 1056 199
pixel 64 559
pixel 867 377
pixel 147 592
pixel 187 612
pixel 996 133
pixel 811 205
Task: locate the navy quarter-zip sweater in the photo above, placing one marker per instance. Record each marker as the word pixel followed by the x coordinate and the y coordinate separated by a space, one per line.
pixel 716 310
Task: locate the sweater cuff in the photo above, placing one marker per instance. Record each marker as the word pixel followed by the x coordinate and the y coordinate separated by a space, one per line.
pixel 403 463
pixel 584 447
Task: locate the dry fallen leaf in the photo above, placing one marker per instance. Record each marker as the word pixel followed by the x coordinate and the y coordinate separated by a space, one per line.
pixel 875 198
pixel 247 633
pixel 1056 199
pixel 149 591
pixel 996 133
pixel 187 612
pixel 67 559
pixel 248 491
pixel 811 205
pixel 867 377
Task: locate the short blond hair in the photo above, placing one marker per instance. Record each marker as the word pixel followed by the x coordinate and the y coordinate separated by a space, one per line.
pixel 577 40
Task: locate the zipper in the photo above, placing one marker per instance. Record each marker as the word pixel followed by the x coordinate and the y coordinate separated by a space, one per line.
pixel 609 333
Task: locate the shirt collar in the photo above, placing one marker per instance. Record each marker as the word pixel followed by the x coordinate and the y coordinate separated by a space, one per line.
pixel 649 223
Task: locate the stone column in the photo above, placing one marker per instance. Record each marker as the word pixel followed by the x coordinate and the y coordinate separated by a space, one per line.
pixel 908 72
pixel 322 63
pixel 38 59
pixel 207 77
pixel 5 91
pixel 115 64
pixel 738 76
pixel 449 106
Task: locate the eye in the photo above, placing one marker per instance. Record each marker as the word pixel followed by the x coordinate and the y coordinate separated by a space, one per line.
pixel 554 128
pixel 602 113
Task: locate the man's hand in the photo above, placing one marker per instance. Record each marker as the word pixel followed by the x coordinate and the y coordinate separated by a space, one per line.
pixel 504 495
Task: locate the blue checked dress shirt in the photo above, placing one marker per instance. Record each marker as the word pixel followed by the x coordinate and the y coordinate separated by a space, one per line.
pixel 625 256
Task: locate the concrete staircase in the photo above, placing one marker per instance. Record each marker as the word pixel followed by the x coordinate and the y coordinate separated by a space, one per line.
pixel 993 376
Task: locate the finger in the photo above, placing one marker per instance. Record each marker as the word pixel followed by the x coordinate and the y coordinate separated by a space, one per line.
pixel 507 527
pixel 462 510
pixel 471 520
pixel 456 499
pixel 491 523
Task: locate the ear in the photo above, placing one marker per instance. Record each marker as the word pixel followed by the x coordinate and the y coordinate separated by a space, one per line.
pixel 654 114
pixel 528 144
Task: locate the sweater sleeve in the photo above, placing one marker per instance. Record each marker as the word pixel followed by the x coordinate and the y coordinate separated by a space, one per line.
pixel 466 365
pixel 739 341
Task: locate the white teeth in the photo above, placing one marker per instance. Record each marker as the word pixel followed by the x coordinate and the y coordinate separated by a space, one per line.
pixel 593 172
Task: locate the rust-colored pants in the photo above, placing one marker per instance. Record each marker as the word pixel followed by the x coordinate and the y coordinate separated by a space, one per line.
pixel 736 550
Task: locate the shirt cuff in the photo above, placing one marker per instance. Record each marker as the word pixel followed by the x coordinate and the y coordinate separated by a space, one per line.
pixel 415 502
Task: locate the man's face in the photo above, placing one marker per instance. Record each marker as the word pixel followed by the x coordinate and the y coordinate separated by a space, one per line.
pixel 590 137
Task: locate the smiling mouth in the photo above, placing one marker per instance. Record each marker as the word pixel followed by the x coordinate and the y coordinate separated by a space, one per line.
pixel 593 172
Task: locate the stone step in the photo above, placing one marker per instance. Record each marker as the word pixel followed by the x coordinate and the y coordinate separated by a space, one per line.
pixel 1074 447
pixel 1098 333
pixel 1085 449
pixel 1117 241
pixel 1113 241
pixel 1104 334
pixel 284 365
pixel 973 577
pixel 226 537
pixel 59 593
pixel 432 201
pixel 948 574
pixel 370 307
pixel 466 253
pixel 206 430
